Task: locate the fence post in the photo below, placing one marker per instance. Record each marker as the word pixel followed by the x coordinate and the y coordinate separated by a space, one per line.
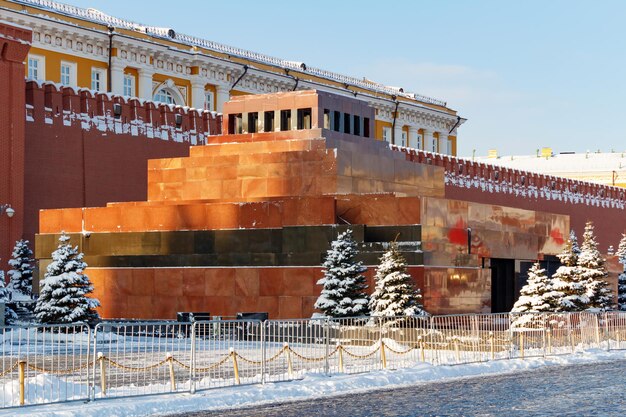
pixel 21 369
pixel 597 330
pixel 233 355
pixel 170 362
pixel 569 331
pixel 492 347
pixel 327 337
pixel 421 345
pixel 192 365
pixel 289 362
pixel 103 376
pixel 264 352
pixel 521 344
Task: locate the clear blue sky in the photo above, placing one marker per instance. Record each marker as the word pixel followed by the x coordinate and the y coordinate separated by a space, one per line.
pixel 526 74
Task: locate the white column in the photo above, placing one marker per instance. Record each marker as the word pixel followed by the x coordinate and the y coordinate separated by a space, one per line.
pixel 223 95
pixel 443 142
pixel 145 83
pixel 117 76
pixel 429 144
pixel 413 137
pixel 197 92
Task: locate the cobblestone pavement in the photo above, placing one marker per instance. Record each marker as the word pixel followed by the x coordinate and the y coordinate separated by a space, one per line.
pixel 578 390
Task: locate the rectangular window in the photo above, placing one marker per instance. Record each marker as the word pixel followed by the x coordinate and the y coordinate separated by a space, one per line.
pixel 68 73
pixel 239 124
pixel 405 137
pixel 366 127
pixel 419 142
pixel 209 100
pixel 129 85
pixel 304 119
pixel 36 67
pixel 253 119
pixel 346 123
pixel 98 79
pixel 285 120
pixel 387 134
pixel 268 121
pixel 357 125
pixel 326 119
pixel 336 121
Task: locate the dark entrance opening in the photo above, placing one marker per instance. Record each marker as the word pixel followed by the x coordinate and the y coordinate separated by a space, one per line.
pixel 502 285
pixel 550 263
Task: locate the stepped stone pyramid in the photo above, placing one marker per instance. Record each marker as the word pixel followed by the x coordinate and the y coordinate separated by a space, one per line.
pixel 243 223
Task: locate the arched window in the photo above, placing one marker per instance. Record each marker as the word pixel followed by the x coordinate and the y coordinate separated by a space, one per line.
pixel 164 96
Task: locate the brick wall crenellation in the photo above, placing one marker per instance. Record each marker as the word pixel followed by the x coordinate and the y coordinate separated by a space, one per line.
pixel 54 104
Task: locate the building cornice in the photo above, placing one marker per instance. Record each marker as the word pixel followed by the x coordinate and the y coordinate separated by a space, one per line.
pixel 170 36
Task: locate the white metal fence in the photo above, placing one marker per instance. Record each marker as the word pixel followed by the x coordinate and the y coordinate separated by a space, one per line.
pixel 44 364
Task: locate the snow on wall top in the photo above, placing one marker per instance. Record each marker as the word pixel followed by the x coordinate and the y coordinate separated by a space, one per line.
pixel 490 178
pixel 570 163
pixel 168 33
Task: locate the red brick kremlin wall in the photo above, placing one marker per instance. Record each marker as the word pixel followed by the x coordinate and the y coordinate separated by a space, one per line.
pixel 80 154
pixel 14 46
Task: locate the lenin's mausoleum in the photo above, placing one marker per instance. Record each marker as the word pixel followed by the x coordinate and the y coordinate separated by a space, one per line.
pixel 234 212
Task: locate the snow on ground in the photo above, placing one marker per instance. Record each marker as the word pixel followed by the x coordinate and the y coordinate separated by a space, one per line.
pixel 312 386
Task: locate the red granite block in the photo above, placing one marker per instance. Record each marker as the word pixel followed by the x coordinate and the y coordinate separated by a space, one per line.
pixel 246 282
pixel 168 282
pixel 271 281
pixel 219 282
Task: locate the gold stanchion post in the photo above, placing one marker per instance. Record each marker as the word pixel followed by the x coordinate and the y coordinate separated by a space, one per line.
pixel 549 341
pixel 21 367
pixel 492 346
pixel 103 375
pixel 521 344
pixel 383 356
pixel 289 363
pixel 421 344
pixel 233 355
pixel 340 354
pixel 170 361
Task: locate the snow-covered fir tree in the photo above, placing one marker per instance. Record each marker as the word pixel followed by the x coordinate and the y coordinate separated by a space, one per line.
pixel 65 288
pixel 567 281
pixel 21 273
pixel 343 293
pixel 395 295
pixel 621 280
pixel 537 295
pixel 593 272
pixel 9 314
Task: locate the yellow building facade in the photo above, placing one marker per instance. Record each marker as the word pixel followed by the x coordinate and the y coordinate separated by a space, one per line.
pixel 85 48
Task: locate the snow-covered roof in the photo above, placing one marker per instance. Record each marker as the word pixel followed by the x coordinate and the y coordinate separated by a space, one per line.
pixel 97 16
pixel 574 163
